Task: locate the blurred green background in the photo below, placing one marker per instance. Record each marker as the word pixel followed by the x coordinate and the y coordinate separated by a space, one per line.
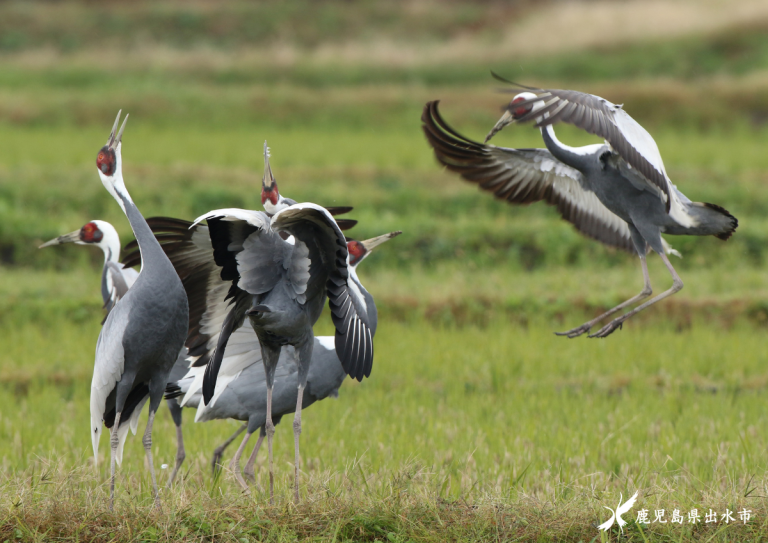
pixel 337 89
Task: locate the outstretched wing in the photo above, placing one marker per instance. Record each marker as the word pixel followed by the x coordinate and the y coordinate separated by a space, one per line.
pixel 315 227
pixel 602 118
pixel 522 176
pixel 189 249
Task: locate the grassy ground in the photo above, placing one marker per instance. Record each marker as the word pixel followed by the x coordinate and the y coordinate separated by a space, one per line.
pixel 477 423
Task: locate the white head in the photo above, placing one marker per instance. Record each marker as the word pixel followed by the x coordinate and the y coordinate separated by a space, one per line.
pixel 98 233
pixel 521 105
pixel 109 162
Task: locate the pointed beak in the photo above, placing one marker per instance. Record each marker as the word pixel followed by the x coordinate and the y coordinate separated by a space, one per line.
pixel 506 119
pixel 268 181
pixel 372 243
pixel 114 140
pixel 72 237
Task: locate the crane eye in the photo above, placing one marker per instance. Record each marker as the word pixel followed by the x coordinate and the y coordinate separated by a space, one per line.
pixel 105 162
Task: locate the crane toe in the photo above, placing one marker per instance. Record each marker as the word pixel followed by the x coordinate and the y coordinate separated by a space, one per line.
pixel 576 332
pixel 608 329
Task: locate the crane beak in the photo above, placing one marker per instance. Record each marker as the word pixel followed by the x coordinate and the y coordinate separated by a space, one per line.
pixel 372 243
pixel 72 237
pixel 113 140
pixel 506 119
pixel 268 182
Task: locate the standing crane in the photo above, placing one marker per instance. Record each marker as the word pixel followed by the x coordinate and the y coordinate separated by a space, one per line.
pixel 116 279
pixel 616 192
pixel 241 386
pixel 167 230
pixel 143 333
pixel 280 285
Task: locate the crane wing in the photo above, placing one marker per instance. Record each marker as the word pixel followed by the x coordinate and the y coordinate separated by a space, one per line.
pixel 107 371
pixel 189 249
pixel 312 225
pixel 523 176
pixel 602 118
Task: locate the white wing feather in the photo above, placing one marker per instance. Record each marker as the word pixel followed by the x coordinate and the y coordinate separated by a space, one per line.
pixel 107 370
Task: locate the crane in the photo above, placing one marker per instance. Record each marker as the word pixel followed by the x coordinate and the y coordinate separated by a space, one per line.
pixel 616 192
pixel 143 333
pixel 241 385
pixel 276 271
pixel 116 279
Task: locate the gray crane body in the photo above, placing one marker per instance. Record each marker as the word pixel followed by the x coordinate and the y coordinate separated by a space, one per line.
pixel 629 196
pixel 617 192
pixel 143 333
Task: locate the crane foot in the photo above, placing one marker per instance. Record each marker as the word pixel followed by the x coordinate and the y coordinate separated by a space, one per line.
pixel 576 332
pixel 608 329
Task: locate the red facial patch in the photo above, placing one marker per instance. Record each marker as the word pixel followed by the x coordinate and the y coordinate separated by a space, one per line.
pixel 520 111
pixel 356 251
pixel 90 233
pixel 105 161
pixel 270 194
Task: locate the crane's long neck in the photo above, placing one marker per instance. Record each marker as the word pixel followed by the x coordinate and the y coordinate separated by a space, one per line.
pixel 110 244
pixel 152 255
pixel 576 157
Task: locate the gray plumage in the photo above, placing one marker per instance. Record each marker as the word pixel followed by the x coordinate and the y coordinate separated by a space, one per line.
pixel 241 392
pixel 143 333
pixel 283 300
pixel 116 279
pixel 617 192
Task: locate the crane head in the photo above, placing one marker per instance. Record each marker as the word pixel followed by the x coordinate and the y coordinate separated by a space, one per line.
pixel 107 159
pixel 358 250
pixel 109 164
pixel 521 105
pixel 99 233
pixel 269 193
pixel 89 233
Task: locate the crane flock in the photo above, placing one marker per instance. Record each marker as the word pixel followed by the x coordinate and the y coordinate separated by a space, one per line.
pixel 221 316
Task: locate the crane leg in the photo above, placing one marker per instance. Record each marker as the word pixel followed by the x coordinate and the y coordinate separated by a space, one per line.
pixel 147 441
pixel 677 285
pixel 114 441
pixel 296 434
pixel 249 472
pixel 587 326
pixel 269 428
pixel 175 409
pixel 218 452
pixel 234 464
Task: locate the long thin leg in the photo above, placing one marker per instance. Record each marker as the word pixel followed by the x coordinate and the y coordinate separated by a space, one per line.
pixel 587 326
pixel 234 465
pixel 270 356
pixel 180 452
pixel 147 441
pixel 269 428
pixel 296 434
pixel 249 472
pixel 114 441
pixel 218 452
pixel 677 285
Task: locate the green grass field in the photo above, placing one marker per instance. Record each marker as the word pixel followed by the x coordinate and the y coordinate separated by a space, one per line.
pixel 477 422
